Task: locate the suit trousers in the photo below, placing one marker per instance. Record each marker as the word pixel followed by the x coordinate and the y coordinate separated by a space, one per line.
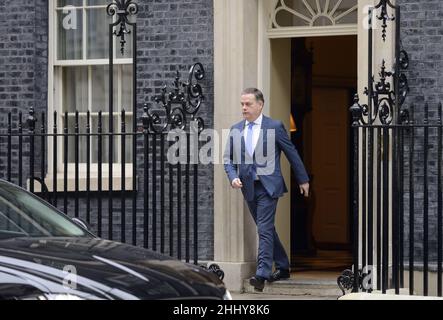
pixel 270 249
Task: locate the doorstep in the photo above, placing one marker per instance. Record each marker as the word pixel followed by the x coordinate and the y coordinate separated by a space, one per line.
pixel 301 284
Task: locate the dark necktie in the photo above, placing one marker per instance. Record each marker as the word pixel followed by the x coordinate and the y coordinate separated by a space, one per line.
pixel 250 147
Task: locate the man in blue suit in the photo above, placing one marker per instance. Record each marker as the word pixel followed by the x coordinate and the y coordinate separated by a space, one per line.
pixel 252 163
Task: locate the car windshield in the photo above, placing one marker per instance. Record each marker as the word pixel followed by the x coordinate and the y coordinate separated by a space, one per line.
pixel 24 215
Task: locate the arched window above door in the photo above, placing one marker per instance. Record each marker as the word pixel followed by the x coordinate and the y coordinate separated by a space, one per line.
pixel 313 13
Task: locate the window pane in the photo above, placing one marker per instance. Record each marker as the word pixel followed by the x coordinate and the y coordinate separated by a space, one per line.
pixel 100 88
pixel 300 7
pixel 127 87
pixel 82 139
pixel 349 18
pixel 94 139
pixel 128 139
pixel 75 89
pixel 70 34
pixel 322 21
pixel 286 19
pixel 98 33
pixel 77 3
pixel 105 139
pixel 315 12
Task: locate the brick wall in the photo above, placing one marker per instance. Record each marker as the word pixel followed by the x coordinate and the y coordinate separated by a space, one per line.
pixel 422 35
pixel 172 35
pixel 23 68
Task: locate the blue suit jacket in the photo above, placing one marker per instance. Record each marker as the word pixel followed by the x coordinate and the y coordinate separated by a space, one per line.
pixel 239 164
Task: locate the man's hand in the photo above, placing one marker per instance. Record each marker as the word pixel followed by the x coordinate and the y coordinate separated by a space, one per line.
pixel 304 189
pixel 236 183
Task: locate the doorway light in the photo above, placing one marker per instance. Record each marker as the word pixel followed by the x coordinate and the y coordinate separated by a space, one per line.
pixel 292 123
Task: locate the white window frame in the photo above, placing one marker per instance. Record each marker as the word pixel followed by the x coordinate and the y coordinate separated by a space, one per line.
pixel 54 104
pixel 275 31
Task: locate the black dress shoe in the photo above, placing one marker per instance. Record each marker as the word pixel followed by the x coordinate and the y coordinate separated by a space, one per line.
pixel 279 274
pixel 258 283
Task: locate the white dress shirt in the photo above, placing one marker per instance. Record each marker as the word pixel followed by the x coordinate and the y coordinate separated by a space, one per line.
pixel 255 131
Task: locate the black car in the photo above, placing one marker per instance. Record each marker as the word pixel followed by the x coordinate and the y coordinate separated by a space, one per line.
pixel 46 255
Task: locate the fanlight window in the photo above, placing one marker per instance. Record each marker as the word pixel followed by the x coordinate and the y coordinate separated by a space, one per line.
pixel 313 13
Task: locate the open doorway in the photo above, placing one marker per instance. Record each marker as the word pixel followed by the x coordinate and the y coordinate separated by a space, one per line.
pixel 323 81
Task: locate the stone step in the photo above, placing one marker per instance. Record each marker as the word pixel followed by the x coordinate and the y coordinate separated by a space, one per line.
pixel 299 287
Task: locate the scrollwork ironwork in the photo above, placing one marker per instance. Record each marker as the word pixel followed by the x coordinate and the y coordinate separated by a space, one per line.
pixel 195 91
pixel 391 85
pixel 31 120
pixel 179 104
pixel 385 110
pixel 214 268
pixel 384 16
pixel 357 110
pixel 384 95
pixel 405 117
pixel 404 60
pixel 346 281
pixel 123 9
pixel 403 85
pixel 383 87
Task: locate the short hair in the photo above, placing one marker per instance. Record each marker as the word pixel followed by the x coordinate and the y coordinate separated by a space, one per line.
pixel 256 92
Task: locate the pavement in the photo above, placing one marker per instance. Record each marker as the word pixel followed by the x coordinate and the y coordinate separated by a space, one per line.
pixel 305 285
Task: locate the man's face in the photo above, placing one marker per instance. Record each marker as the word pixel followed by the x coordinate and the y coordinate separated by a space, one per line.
pixel 251 108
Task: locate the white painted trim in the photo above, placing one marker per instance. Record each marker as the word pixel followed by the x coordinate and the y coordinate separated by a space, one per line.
pixel 336 7
pixel 82 6
pixel 388 296
pixel 51 52
pixel 117 183
pixel 95 114
pixel 264 52
pixel 84 31
pixel 90 62
pixel 298 32
pixel 235 67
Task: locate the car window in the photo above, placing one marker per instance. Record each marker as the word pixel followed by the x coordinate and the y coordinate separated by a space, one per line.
pixel 24 215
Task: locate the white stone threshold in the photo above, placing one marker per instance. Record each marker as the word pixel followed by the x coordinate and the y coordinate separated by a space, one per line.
pixel 390 295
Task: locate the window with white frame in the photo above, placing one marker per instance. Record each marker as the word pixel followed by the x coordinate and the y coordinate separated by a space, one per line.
pixel 79 58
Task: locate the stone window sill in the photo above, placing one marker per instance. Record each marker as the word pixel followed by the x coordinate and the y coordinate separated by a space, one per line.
pixel 117 183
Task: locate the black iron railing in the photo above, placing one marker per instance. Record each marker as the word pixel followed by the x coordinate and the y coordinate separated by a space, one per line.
pixel 401 234
pixel 397 200
pixel 162 201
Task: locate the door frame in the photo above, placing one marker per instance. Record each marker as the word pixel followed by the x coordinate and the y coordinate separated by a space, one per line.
pixel 266 35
